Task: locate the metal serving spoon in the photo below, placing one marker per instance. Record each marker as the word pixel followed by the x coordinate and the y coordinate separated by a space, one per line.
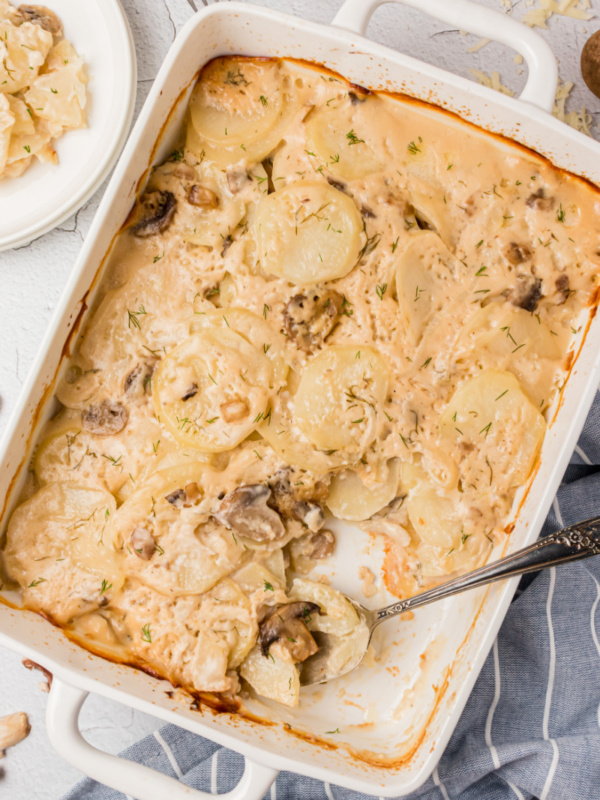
pixel 570 544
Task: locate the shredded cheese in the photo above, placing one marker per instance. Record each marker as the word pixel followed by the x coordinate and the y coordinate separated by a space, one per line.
pixel 491 81
pixel 580 120
pixel 481 43
pixel 539 16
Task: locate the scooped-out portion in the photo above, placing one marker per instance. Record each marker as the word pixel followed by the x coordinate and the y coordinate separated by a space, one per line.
pixel 326 303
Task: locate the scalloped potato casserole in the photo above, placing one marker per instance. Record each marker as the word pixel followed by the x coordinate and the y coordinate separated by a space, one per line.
pixel 327 302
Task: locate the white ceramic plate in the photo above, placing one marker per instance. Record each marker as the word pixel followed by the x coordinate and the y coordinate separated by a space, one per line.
pixel 46 194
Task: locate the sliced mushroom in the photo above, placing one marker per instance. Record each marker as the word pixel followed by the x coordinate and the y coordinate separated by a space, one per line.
pixel 309 318
pixel 367 213
pixel 105 418
pixel 13 729
pixel 360 96
pixel 562 288
pixel 143 543
pixel 539 201
pixel 155 212
pixel 322 543
pixel 139 380
pixel 42 16
pixel 190 392
pixel 517 253
pixel 287 625
pixel 341 187
pixel 267 165
pixel 237 179
pixel 176 498
pixel 287 502
pixel 527 293
pixel 422 223
pixel 246 511
pixel 305 550
pixel 233 410
pixel 184 498
pixel 202 197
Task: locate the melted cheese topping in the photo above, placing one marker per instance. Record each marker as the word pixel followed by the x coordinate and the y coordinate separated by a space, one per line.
pixel 325 298
pixel 42 87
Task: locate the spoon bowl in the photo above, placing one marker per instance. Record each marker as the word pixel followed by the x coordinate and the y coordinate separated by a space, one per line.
pixel 569 544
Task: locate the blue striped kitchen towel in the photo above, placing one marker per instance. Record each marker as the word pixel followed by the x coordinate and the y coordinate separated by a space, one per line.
pixel 531 728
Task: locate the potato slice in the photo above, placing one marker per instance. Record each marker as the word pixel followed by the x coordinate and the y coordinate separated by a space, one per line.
pixel 434 515
pixel 492 413
pixel 502 336
pixel 7 122
pixel 349 498
pixel 200 382
pixel 307 232
pixel 59 97
pixel 254 329
pixel 236 111
pixel 339 395
pixel 337 137
pixel 25 48
pixel 338 615
pixel 166 541
pixel 60 537
pixel 425 274
pixel 271 677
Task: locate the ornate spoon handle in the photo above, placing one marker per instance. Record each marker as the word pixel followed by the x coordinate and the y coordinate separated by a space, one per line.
pixel 570 544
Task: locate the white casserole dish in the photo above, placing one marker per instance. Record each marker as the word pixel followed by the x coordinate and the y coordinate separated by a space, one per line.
pixel 389 755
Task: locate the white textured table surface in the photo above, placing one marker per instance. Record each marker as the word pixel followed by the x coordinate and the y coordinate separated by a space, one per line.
pixel 32 279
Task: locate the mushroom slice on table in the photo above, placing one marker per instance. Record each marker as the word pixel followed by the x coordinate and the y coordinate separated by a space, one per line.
pixel 13 729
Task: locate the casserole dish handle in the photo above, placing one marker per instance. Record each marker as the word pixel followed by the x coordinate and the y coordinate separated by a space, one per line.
pixel 133 780
pixel 540 89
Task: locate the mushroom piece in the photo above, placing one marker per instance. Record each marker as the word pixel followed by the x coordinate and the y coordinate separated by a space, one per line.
pixel 527 293
pixel 237 179
pixel 246 511
pixel 191 391
pixel 517 253
pixel 539 201
pixel 285 501
pixel 202 197
pixel 143 543
pixel 305 550
pixel 341 187
pixel 562 288
pixel 156 210
pixel 105 418
pixel 139 380
pixel 184 498
pixel 42 16
pixel 309 318
pixel 359 96
pixel 13 729
pixel 176 498
pixel 322 545
pixel 286 624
